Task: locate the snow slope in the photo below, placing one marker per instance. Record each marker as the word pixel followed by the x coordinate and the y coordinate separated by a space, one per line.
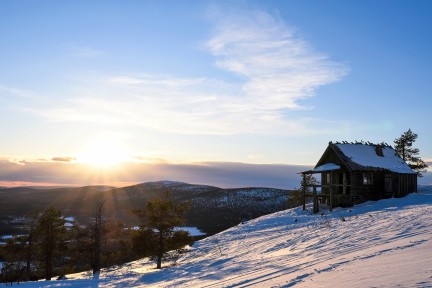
pixel 386 243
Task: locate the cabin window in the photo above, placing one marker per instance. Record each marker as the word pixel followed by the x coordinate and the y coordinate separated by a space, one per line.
pixel 367 178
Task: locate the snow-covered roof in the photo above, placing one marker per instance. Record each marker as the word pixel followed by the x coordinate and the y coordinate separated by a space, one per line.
pixel 324 168
pixel 367 156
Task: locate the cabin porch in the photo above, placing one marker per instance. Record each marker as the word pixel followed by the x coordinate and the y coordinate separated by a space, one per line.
pixel 334 189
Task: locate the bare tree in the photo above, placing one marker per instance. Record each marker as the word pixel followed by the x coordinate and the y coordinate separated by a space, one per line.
pixel 97 233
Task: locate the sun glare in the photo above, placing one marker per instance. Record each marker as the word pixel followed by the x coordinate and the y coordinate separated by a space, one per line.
pixel 104 153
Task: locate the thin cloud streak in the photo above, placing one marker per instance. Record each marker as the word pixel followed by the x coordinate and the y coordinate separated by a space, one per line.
pixel 10 92
pixel 63 159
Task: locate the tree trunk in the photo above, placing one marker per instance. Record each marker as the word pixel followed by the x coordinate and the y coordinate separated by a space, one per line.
pixel 97 238
pixel 29 255
pixel 49 253
pixel 97 251
pixel 160 250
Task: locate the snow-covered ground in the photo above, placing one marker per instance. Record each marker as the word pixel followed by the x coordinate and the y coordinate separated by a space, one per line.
pixel 193 231
pixel 386 243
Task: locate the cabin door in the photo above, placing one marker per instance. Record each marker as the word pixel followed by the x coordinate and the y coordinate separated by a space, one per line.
pixel 388 183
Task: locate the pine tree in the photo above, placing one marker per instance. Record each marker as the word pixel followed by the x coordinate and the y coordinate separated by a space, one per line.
pixel 80 247
pixel 298 196
pixel 31 221
pixel 51 231
pixel 13 264
pixel 159 218
pixel 403 146
pixel 308 181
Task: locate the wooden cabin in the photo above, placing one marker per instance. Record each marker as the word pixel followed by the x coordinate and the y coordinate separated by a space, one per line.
pixel 352 173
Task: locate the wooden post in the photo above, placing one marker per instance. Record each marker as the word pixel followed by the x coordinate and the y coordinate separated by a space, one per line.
pixel 344 183
pixel 315 201
pixel 304 192
pixel 331 192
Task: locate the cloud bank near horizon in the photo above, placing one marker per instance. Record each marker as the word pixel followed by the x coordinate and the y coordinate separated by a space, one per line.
pixel 221 174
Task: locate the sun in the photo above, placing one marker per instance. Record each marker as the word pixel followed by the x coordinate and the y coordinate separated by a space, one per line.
pixel 104 153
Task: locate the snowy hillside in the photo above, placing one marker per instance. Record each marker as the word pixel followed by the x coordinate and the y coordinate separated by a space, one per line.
pixel 387 243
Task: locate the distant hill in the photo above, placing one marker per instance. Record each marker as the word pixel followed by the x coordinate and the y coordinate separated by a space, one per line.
pixel 99 187
pixel 213 209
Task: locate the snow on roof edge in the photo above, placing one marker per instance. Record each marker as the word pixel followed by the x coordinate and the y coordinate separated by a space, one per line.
pixel 324 168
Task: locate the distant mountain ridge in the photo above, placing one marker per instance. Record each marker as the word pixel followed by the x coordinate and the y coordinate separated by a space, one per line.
pixel 213 209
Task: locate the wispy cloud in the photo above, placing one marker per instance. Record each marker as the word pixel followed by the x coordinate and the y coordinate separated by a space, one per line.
pixel 276 66
pixel 279 66
pixel 9 92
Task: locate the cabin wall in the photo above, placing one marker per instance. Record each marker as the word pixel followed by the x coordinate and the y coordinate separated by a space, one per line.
pixel 331 158
pixel 357 191
pixel 404 184
pixel 361 192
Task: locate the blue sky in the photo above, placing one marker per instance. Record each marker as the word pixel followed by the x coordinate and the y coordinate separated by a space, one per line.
pixel 184 82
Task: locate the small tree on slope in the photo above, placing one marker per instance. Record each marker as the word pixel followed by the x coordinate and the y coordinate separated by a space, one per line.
pixel 296 196
pixel 158 219
pixel 51 234
pixel 403 146
pixel 97 234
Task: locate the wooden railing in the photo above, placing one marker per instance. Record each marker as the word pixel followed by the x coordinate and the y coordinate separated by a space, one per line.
pixel 317 196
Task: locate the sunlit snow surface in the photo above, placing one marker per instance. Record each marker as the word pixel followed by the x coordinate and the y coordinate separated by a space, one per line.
pixel 386 243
